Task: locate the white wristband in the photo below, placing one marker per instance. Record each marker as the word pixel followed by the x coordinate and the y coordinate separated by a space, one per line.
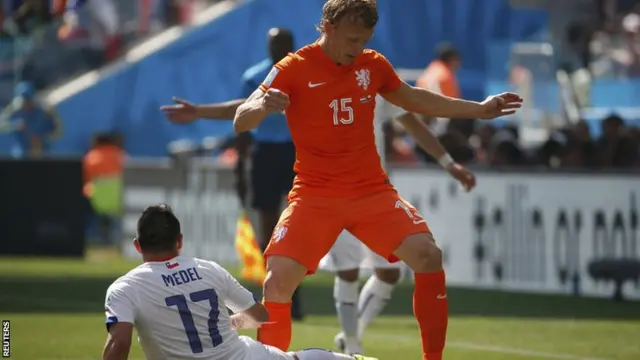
pixel 445 161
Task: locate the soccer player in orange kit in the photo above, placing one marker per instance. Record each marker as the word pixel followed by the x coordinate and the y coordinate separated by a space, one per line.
pixel 327 90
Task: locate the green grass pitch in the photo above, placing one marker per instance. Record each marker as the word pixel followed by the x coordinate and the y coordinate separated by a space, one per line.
pixel 56 312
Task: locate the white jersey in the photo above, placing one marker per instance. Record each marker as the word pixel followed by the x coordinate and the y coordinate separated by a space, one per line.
pixel 179 308
pixel 384 111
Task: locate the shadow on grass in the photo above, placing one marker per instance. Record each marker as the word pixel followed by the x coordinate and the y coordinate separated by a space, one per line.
pixel 84 294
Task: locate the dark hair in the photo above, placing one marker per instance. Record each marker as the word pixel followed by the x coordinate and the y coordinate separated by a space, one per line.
pixel 447 53
pixel 363 11
pixel 158 229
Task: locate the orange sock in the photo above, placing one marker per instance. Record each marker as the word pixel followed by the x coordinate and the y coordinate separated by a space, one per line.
pixel 431 308
pixel 277 332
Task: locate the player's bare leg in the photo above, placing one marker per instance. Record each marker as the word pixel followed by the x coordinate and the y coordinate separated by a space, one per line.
pixel 345 294
pixel 375 295
pixel 268 221
pixel 283 277
pixel 430 303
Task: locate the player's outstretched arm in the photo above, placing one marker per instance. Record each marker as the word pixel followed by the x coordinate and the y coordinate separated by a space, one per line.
pixel 431 104
pixel 118 342
pixel 251 318
pixel 184 111
pixel 257 107
pixel 430 143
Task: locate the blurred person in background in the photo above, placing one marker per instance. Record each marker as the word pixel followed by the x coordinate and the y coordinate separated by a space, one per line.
pixel 440 77
pixel 33 125
pixel 631 27
pixel 617 147
pixel 581 149
pixel 103 168
pixel 96 21
pixel 504 149
pixel 397 148
pixel 29 15
pixel 272 155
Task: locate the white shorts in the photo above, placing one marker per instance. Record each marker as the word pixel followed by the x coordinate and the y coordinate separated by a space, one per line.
pixel 260 351
pixel 349 253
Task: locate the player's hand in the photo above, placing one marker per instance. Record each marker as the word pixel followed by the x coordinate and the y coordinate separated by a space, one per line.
pixel 182 112
pixel 500 105
pixel 465 177
pixel 275 101
pixel 237 322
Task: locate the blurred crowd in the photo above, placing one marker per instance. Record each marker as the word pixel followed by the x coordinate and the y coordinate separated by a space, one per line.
pixel 47 41
pixel 571 147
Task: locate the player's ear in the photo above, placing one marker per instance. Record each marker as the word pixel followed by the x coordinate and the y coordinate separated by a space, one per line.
pixel 327 27
pixel 136 244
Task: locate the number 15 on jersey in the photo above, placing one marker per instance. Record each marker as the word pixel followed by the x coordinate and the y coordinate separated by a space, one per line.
pixel 342 111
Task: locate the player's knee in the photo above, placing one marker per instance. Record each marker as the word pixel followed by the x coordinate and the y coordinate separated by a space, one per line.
pixel 389 276
pixel 345 291
pixel 428 256
pixel 283 277
pixel 277 288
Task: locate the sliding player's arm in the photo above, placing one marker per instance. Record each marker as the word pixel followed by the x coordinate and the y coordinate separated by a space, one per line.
pixel 120 313
pixel 271 97
pixel 430 143
pixel 249 313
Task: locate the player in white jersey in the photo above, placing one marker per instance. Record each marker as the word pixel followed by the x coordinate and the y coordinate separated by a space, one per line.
pixel 348 255
pixel 178 305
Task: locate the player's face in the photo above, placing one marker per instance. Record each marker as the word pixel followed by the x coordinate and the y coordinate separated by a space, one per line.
pixel 349 40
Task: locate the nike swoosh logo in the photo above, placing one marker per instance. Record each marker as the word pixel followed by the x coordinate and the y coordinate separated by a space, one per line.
pixel 312 85
pixel 441 296
pixel 416 222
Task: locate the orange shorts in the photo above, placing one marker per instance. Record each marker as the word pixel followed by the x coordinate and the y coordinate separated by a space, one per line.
pixel 310 225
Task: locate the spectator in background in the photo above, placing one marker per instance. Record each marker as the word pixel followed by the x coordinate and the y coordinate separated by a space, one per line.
pixel 34 126
pixel 103 168
pixel 98 20
pixel 581 149
pixel 504 149
pixel 481 142
pixel 29 15
pixel 397 149
pixel 631 27
pixel 440 77
pixel 617 147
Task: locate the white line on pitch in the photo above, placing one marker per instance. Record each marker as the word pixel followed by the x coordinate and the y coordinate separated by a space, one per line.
pixel 409 338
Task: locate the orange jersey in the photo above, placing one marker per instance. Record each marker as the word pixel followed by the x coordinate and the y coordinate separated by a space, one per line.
pixel 330 116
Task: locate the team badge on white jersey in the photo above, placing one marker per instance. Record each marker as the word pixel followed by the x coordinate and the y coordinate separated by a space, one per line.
pixel 363 76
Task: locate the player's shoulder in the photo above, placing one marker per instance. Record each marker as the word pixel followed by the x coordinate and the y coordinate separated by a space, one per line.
pixel 371 55
pixel 258 71
pixel 124 284
pixel 209 265
pixel 299 58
